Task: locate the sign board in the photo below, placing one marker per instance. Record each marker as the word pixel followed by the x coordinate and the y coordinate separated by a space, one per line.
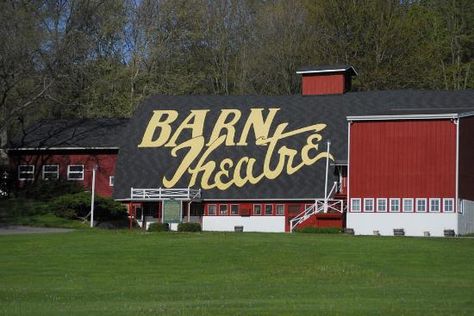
pixel 171 211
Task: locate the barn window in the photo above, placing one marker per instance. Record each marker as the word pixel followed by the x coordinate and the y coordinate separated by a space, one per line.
pixel 257 209
pixel 421 205
pixel 381 205
pixel 407 205
pixel 26 172
pixel 50 172
pixel 355 205
pixel 268 209
pixel 223 209
pixel 75 172
pixel 280 209
pixel 234 209
pixel 448 205
pixel 368 205
pixel 211 209
pixel 394 205
pixel 435 205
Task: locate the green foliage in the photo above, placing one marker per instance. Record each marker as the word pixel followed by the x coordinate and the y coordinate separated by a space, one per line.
pixel 159 227
pixel 319 230
pixel 77 206
pixel 43 190
pixel 189 227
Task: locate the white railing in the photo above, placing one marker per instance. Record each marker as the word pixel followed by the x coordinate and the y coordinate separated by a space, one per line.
pixel 165 194
pixel 319 206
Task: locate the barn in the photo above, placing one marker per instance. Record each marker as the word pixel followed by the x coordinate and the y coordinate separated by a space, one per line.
pixel 68 150
pixel 329 157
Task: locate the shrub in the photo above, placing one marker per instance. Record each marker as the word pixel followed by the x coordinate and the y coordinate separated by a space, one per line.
pixel 319 230
pixel 159 227
pixel 45 190
pixel 77 206
pixel 189 227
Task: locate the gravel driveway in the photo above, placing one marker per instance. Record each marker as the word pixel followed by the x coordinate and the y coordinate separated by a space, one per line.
pixel 14 230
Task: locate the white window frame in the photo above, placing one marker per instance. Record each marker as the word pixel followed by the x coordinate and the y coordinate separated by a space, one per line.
pixel 265 209
pixel 226 209
pixel 384 210
pixel 416 205
pixel 439 205
pixel 366 210
pixel 451 200
pixel 253 209
pixel 213 206
pixel 32 172
pixel 403 205
pixel 43 172
pixel 359 209
pixel 111 181
pixel 238 209
pixel 69 172
pixel 390 205
pixel 282 209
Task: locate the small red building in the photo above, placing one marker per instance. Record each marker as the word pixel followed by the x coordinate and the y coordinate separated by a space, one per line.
pixel 68 150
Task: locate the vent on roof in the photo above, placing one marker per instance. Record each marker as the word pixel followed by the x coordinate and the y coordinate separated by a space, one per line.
pixel 326 79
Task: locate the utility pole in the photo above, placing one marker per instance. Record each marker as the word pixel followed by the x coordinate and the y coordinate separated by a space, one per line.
pixel 326 180
pixel 93 195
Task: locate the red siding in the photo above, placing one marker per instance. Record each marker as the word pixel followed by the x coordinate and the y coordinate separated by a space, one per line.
pixel 105 160
pixel 335 220
pixel 466 158
pixel 292 209
pixel 403 159
pixel 323 84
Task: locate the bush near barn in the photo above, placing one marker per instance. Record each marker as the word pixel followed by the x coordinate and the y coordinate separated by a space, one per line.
pixel 189 227
pixel 159 227
pixel 77 206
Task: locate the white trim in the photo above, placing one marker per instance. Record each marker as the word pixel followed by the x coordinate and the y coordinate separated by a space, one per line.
pixel 439 205
pixel 412 205
pixel 402 117
pixel 238 209
pixel 267 199
pixel 444 205
pixel 253 209
pixel 215 210
pixel 75 172
pixel 276 209
pixel 56 172
pixel 348 160
pixel 265 209
pixel 316 71
pixel 111 181
pixel 32 172
pixel 458 123
pixel 352 203
pixel 466 114
pixel 416 205
pixel 365 204
pixel 377 205
pixel 226 209
pixel 390 205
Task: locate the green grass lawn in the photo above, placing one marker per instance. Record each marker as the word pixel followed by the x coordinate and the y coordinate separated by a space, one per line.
pixel 127 273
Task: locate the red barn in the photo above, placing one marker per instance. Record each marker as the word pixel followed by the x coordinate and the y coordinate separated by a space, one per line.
pixel 411 171
pixel 276 163
pixel 68 150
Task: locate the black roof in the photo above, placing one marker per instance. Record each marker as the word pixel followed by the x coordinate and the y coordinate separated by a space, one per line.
pixel 140 167
pixel 72 133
